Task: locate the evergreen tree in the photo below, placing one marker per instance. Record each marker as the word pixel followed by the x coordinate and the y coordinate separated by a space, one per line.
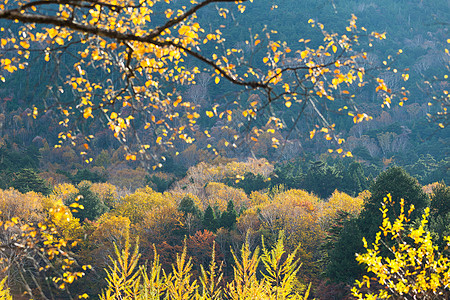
pixel 322 179
pixel 397 182
pixel 440 213
pixel 28 180
pixel 228 217
pixel 209 219
pixel 92 205
pixel 85 174
pixel 342 264
pixel 187 205
pixel 354 180
pixel 250 183
pixel 440 200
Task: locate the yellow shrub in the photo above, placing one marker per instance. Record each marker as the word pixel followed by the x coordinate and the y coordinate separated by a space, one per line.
pixel 414 270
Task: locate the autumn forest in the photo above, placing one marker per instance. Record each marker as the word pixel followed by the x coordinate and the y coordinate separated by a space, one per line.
pixel 223 149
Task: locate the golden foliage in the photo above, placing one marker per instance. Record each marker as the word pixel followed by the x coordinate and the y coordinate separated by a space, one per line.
pixel 342 202
pixel 107 193
pixel 428 189
pixel 219 194
pixel 28 207
pixel 136 205
pixel 299 214
pixel 127 280
pixel 122 278
pixel 257 198
pixel 415 269
pixel 36 245
pixel 200 175
pixel 110 230
pixel 4 291
pixel 64 190
pixel 159 222
pixel 150 44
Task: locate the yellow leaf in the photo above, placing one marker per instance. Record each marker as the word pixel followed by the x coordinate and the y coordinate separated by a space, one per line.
pixel 209 113
pixel 265 59
pixel 304 53
pixel 59 41
pixel 52 32
pixel 130 157
pixel 178 101
pixel 288 104
pixel 25 44
pixel 360 75
pixel 158 140
pixel 87 112
pixel 217 80
pixel 65 15
pixel 113 115
pixel 312 133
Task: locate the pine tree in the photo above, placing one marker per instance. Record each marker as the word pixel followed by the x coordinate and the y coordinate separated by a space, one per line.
pixel 228 217
pixel 28 180
pixel 92 205
pixel 187 206
pixel 400 185
pixel 209 219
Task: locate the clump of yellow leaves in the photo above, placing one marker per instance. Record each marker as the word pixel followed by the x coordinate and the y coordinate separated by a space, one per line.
pixel 127 280
pixel 40 244
pixel 4 291
pixel 414 269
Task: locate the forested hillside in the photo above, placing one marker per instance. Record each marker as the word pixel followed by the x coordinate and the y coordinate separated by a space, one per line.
pixel 224 150
pixel 400 135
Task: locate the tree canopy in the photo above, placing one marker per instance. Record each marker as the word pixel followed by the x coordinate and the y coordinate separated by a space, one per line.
pixel 129 61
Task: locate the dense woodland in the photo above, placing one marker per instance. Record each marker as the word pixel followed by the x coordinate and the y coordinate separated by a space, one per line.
pixel 257 220
pixel 214 208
